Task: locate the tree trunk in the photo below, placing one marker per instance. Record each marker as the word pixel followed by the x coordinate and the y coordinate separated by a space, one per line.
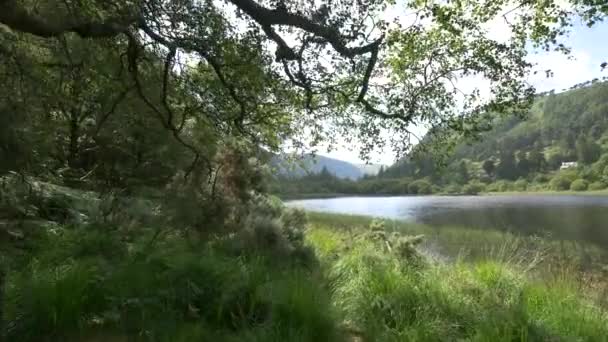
pixel 73 148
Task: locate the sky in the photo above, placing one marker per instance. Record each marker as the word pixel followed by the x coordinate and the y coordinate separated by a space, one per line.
pixel 589 50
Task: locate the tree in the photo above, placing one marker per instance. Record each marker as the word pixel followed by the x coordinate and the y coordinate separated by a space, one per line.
pixel 325 175
pixel 381 171
pixel 463 172
pixel 537 160
pixel 587 150
pixel 489 167
pixel 263 56
pixel 507 168
pixel 523 164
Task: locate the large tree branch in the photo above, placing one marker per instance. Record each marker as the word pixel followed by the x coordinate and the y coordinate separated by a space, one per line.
pixel 269 17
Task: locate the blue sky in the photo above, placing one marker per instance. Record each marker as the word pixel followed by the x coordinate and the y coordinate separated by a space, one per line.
pixel 589 50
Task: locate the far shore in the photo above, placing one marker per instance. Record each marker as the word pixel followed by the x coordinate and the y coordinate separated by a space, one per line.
pixel 292 197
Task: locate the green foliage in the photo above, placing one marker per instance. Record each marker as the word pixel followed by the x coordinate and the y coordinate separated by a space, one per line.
pixel 579 185
pixel 81 281
pixel 541 178
pixel 390 299
pixel 587 150
pixel 562 180
pixel 489 167
pixel 473 188
pixel 500 186
pixel 419 187
pixel 560 183
pixel 507 168
pixel 520 185
pixel 453 189
pixel 558 128
pixel 597 186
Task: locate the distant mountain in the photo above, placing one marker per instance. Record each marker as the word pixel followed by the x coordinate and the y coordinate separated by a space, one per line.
pixel 309 164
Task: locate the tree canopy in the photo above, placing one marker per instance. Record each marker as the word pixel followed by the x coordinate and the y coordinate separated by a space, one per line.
pixel 304 70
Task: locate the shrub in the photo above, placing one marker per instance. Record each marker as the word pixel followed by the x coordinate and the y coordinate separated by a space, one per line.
pixel 560 183
pixel 453 189
pixel 541 178
pixel 473 188
pixel 579 185
pixel 520 185
pixel 53 302
pixel 419 187
pixel 500 186
pixel 597 186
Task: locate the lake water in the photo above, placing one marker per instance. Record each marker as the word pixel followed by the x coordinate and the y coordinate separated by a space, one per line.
pixel 564 216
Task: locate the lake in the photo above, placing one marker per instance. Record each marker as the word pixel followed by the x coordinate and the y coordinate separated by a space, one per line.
pixel 563 216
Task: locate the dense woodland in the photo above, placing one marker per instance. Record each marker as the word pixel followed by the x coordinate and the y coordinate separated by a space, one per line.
pixel 134 174
pixel 517 154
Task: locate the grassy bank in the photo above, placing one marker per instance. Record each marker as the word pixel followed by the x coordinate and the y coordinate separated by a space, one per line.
pixel 387 287
pixel 549 192
pixel 343 278
pixel 303 196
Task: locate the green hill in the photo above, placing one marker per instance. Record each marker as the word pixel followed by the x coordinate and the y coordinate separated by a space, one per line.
pixel 529 153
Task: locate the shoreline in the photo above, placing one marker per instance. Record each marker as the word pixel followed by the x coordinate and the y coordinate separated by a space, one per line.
pixel 505 193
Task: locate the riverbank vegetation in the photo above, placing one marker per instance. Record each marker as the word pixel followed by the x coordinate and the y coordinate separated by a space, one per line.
pixel 394 288
pixel 288 276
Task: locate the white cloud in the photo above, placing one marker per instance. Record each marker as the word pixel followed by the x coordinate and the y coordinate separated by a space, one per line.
pixel 580 67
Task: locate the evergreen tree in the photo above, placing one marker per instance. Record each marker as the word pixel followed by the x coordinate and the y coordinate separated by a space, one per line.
pixel 537 160
pixel 489 167
pixel 587 150
pixel 463 172
pixel 507 168
pixel 523 164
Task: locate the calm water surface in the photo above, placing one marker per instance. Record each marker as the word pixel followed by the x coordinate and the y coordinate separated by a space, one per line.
pixel 567 217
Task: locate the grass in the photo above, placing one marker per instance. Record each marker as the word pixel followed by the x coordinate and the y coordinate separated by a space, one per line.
pixel 89 284
pixel 176 291
pixel 388 299
pixel 470 244
pixel 549 192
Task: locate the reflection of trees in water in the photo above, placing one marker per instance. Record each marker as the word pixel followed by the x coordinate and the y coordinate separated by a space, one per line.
pixel 572 223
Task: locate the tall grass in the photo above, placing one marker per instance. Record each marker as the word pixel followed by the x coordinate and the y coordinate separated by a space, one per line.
pixel 176 292
pixel 468 244
pixel 90 284
pixel 394 300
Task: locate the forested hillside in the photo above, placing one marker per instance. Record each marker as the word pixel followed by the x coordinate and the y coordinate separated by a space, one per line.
pixel 527 154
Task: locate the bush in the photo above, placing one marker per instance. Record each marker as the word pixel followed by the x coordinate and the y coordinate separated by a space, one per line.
pixel 179 291
pixel 500 186
pixel 419 187
pixel 473 188
pixel 560 183
pixel 597 186
pixel 453 189
pixel 520 185
pixel 579 185
pixel 541 178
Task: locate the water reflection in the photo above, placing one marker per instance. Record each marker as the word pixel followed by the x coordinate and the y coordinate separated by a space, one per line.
pixel 567 217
